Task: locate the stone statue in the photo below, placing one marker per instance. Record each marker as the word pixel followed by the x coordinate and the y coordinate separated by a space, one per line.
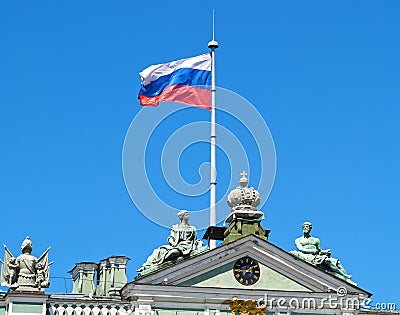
pixel 25 272
pixel 182 242
pixel 309 249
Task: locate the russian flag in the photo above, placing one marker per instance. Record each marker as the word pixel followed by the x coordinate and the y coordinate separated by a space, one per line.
pixel 186 81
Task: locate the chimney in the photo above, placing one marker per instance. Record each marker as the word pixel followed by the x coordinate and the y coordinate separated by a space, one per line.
pixel 111 276
pixel 83 275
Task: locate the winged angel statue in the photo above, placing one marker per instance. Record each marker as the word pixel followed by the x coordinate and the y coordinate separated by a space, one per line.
pixel 26 272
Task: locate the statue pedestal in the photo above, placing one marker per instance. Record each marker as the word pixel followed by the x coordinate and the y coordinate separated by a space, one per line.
pixel 242 224
pixel 24 288
pixel 244 214
pixel 31 302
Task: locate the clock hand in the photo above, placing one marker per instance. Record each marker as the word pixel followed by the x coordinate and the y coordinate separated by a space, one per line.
pixel 244 271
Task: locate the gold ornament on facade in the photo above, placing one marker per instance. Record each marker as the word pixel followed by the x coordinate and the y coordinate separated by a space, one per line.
pixel 246 307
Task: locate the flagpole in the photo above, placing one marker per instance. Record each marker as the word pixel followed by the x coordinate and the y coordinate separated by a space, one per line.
pixel 213 44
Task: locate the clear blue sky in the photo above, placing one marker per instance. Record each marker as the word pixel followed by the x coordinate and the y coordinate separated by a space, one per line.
pixel 324 75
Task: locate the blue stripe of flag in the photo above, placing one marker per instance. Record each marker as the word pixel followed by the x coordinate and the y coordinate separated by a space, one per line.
pixel 182 76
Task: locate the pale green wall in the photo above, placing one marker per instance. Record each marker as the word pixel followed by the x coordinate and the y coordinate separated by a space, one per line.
pixel 120 278
pixel 104 284
pixel 27 307
pixel 223 277
pixel 84 285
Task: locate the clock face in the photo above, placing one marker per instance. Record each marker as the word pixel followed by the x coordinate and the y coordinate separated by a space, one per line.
pixel 246 271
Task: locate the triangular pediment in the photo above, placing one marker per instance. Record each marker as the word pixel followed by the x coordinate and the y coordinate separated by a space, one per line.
pixel 224 277
pixel 279 270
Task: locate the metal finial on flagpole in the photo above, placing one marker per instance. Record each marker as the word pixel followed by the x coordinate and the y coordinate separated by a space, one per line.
pixel 213 44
